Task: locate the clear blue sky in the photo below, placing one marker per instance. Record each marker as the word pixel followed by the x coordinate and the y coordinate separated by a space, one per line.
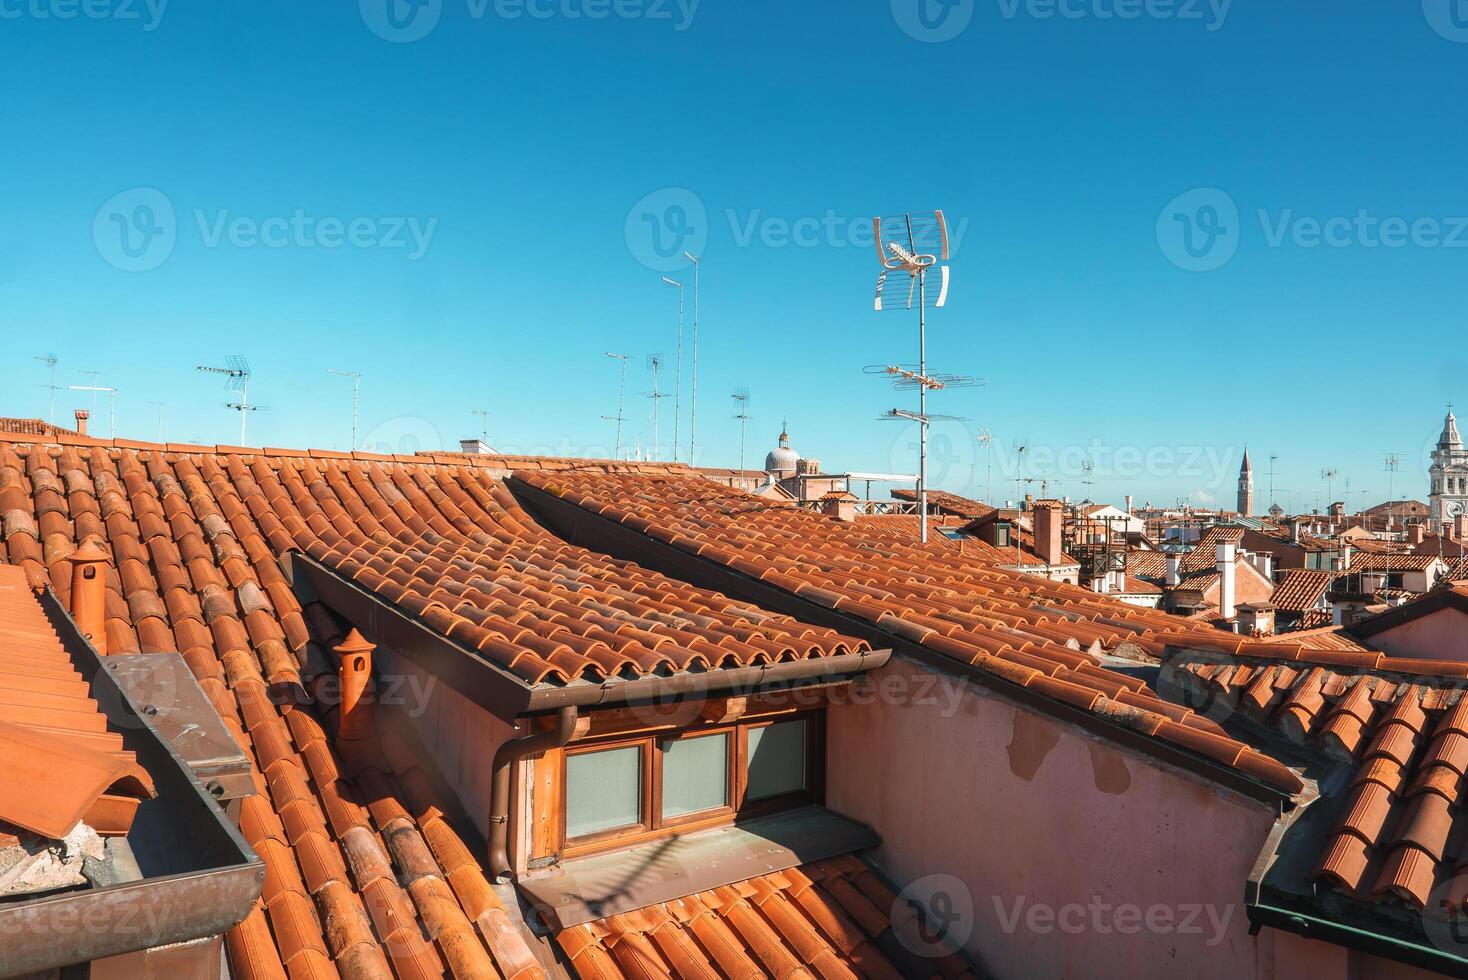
pixel 522 147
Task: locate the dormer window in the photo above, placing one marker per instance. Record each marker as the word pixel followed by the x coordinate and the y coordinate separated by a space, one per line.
pixel 622 790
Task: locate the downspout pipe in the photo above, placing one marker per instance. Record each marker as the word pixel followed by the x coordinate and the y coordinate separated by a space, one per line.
pixel 506 756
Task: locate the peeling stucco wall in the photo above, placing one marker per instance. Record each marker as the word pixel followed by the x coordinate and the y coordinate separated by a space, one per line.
pixel 1079 858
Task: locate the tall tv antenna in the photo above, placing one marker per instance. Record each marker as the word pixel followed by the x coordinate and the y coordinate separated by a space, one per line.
pixel 655 365
pixel 987 441
pixel 741 398
pixel 356 377
pixel 1328 475
pixel 1019 495
pixel 159 406
pixel 483 414
pixel 621 393
pixel 111 403
pixel 677 369
pixel 1393 463
pixel 693 397
pixel 909 249
pixel 236 373
pixel 50 361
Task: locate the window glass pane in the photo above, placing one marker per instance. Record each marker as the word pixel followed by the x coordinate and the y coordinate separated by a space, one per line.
pixel 695 774
pixel 603 790
pixel 776 760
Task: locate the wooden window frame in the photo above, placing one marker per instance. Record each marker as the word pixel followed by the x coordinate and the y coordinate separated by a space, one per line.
pixel 652 825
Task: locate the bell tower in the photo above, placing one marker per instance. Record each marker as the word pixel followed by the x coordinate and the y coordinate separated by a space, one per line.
pixel 1448 475
pixel 1246 486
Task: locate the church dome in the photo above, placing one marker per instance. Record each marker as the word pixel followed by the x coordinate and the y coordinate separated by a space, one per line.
pixel 782 459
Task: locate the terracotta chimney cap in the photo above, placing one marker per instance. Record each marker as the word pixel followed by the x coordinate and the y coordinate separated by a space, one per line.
pixel 354 643
pixel 89 551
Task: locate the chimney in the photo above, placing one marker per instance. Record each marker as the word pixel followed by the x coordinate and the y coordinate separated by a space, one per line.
pixel 1047 518
pixel 1226 553
pixel 81 421
pixel 89 591
pixel 1460 528
pixel 1264 562
pixel 1294 530
pixel 1129 505
pixel 1256 619
pixel 1416 534
pixel 1345 558
pixel 1174 570
pixel 842 506
pixel 354 671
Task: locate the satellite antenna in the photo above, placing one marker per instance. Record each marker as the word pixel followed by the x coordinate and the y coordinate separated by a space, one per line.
pixel 236 373
pixel 655 365
pixel 909 248
pixel 50 361
pixel 621 392
pixel 677 369
pixel 741 398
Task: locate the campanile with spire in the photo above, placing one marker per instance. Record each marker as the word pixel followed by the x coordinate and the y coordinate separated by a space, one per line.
pixel 1246 486
pixel 1449 476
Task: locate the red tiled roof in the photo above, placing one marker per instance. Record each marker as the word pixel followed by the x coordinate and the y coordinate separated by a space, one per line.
pixel 829 919
pixel 33 427
pixel 947 503
pixel 1403 727
pixel 1205 553
pixel 1391 562
pixel 1146 564
pixel 1021 628
pixel 194 541
pixel 1300 589
pixel 60 762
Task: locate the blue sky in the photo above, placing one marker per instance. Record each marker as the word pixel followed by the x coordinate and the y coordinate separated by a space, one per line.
pixel 465 217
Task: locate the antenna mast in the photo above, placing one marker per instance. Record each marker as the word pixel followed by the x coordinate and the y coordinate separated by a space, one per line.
pixel 910 249
pixel 655 365
pixel 236 378
pixel 356 377
pixel 621 392
pixel 677 369
pixel 693 418
pixel 50 361
pixel 741 398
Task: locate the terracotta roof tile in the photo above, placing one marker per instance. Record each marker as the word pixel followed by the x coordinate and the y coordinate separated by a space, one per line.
pixel 194 541
pixel 826 920
pixel 1024 629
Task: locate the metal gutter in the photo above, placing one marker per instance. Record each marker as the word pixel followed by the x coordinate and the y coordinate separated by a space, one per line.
pixel 507 696
pixel 581 527
pixel 1374 943
pixel 200 877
